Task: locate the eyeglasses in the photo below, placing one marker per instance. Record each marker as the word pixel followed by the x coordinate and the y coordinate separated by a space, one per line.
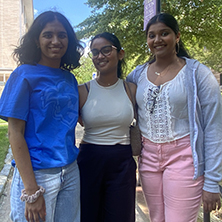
pixel 152 101
pixel 105 50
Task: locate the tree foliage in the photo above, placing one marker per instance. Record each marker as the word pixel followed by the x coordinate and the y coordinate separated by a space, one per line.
pixel 199 20
pixel 84 72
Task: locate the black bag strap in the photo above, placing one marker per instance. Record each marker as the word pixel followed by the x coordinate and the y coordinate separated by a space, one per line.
pixel 87 88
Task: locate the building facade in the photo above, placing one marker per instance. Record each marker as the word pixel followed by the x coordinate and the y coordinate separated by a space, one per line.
pixel 16 16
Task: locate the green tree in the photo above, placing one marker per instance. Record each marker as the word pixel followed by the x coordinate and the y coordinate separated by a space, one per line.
pixel 199 23
pixel 84 72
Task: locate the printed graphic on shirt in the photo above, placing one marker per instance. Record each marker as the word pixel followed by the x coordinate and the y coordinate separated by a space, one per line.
pixel 61 101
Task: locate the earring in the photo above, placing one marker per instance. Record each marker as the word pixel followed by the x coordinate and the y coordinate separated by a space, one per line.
pixel 177 47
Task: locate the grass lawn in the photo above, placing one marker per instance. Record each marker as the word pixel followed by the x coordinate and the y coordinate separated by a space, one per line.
pixel 2 121
pixel 4 143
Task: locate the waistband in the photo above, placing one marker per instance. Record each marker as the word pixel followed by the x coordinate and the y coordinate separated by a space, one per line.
pixel 174 142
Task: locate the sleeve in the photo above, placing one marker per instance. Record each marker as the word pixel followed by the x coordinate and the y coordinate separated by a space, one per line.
pixel 14 101
pixel 211 105
pixel 135 74
pixel 130 78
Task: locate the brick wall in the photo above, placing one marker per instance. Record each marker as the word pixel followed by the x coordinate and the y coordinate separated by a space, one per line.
pixel 10 31
pixel 16 17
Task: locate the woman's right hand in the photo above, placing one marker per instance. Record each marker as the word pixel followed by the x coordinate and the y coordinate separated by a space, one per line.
pixel 36 211
pixel 211 201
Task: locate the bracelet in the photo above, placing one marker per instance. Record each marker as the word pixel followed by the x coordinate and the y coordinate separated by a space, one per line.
pixel 32 198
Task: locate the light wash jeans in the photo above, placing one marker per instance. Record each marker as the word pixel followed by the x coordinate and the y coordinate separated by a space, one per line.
pixel 62 196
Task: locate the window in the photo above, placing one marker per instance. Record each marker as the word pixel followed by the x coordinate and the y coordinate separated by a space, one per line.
pixel 4 75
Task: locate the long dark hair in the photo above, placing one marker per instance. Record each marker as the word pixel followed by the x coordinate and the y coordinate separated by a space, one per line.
pixel 171 22
pixel 29 53
pixel 115 42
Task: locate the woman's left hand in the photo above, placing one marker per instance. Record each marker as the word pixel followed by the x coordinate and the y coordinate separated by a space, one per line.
pixel 211 201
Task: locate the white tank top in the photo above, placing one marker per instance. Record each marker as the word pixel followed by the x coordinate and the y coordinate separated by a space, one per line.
pixel 107 114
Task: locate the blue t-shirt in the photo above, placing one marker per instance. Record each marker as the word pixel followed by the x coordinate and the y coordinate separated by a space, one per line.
pixel 47 99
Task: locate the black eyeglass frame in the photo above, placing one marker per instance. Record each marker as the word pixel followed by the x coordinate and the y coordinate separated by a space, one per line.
pixel 101 51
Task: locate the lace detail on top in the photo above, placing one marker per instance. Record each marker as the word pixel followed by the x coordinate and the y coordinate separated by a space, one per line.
pixel 157 111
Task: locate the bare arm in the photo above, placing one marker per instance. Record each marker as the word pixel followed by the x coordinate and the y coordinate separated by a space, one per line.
pixel 83 93
pixel 16 129
pixel 131 92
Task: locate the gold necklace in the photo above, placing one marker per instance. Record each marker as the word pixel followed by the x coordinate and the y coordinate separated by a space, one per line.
pixel 165 70
pixel 105 84
pixel 160 73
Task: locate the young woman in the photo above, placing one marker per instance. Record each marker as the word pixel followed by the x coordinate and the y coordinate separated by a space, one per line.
pixel 179 109
pixel 107 168
pixel 40 103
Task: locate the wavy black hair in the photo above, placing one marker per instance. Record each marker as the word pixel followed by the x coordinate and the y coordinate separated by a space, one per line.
pixel 115 42
pixel 28 51
pixel 172 23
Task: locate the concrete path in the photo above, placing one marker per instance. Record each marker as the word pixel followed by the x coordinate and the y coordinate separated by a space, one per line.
pixel 5 202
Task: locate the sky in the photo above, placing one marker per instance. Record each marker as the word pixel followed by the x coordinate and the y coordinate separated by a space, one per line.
pixel 74 10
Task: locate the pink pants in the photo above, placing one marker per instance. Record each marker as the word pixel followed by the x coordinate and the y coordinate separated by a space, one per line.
pixel 166 173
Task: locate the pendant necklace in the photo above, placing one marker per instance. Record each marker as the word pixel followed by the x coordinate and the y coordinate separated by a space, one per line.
pixel 165 70
pixel 105 84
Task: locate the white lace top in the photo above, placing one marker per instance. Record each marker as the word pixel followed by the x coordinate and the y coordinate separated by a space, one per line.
pixel 163 109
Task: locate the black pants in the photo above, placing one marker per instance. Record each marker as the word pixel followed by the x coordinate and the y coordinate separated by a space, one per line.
pixel 108 181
